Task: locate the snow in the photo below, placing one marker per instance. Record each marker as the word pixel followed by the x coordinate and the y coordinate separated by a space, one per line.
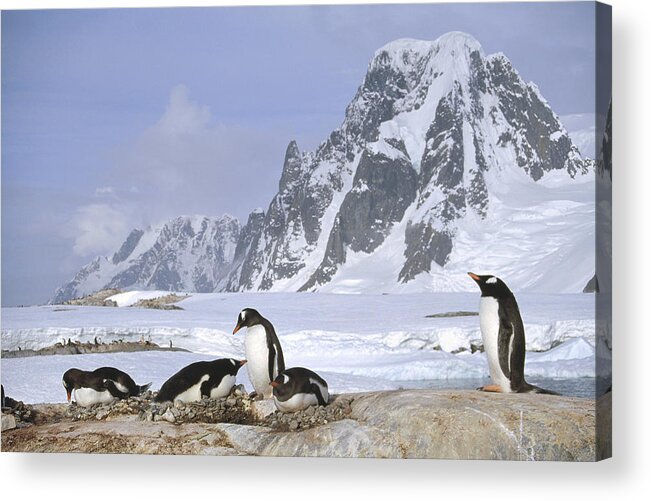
pixel 132 297
pixel 357 343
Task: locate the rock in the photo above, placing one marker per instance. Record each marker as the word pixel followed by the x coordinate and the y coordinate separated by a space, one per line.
pixel 397 424
pixel 262 408
pixel 8 422
pixel 169 416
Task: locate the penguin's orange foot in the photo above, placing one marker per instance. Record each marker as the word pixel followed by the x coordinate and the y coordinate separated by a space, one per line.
pixel 493 388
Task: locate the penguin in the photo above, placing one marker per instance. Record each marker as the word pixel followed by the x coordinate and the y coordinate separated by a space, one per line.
pixel 298 388
pixel 502 331
pixel 99 386
pixel 213 379
pixel 122 380
pixel 262 350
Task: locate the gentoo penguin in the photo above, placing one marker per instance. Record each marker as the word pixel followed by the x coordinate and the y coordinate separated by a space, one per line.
pixel 99 386
pixel 122 380
pixel 213 379
pixel 297 388
pixel 262 350
pixel 502 331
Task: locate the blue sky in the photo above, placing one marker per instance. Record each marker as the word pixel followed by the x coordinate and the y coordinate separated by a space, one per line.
pixel 119 118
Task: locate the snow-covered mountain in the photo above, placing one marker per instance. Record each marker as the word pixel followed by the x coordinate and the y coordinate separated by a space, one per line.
pixel 188 253
pixel 446 162
pixel 441 150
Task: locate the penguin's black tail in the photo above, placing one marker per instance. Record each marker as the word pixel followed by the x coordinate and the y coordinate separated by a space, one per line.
pixel 161 397
pixel 143 388
pixel 537 389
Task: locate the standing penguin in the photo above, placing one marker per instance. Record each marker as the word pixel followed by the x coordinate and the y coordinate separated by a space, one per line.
pixel 502 331
pixel 99 386
pixel 298 388
pixel 213 379
pixel 262 350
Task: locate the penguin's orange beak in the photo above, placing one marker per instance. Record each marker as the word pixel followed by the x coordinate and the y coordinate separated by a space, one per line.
pixel 275 384
pixel 242 362
pixel 474 277
pixel 68 392
pixel 237 328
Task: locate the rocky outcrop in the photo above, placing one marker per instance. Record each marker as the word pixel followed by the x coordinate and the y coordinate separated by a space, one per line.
pixel 398 424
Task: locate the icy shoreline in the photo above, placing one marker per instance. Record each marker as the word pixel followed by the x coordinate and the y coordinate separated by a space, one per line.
pixel 357 342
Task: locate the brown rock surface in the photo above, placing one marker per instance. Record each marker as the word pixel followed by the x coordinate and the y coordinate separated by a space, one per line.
pixel 400 424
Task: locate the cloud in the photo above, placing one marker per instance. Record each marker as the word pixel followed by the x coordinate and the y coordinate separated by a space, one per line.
pixel 185 163
pixel 105 191
pixel 98 229
pixel 189 162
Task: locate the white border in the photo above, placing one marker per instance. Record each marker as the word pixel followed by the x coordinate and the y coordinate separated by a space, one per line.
pixel 56 476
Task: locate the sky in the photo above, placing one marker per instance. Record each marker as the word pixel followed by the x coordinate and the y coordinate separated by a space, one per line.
pixel 119 118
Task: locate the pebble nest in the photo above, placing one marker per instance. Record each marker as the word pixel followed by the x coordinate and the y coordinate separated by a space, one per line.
pixel 22 412
pixel 336 410
pixel 236 409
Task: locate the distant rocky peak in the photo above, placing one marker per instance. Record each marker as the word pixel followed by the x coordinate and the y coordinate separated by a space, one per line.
pixel 292 167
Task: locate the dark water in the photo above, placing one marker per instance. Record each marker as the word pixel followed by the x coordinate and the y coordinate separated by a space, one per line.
pixel 573 387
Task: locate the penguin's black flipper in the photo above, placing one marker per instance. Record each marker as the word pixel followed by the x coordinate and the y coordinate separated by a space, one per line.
pixel 143 388
pixel 272 361
pixel 114 391
pixel 206 386
pixel 317 392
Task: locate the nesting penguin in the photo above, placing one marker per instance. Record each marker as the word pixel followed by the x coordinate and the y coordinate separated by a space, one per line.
pixel 298 388
pixel 212 379
pixel 100 386
pixel 502 331
pixel 262 350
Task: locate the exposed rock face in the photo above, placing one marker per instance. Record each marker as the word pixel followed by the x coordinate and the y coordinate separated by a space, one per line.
pixel 400 424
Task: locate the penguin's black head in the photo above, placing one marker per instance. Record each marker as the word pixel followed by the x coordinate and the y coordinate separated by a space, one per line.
pixel 248 318
pixel 71 381
pixel 491 285
pixel 283 386
pixel 234 366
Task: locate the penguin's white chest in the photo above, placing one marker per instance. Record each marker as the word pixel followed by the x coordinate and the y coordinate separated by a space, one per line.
pixel 257 356
pixel 193 393
pixel 224 387
pixel 489 323
pixel 297 402
pixel 87 396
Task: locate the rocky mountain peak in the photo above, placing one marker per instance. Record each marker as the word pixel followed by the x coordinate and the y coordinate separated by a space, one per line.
pixel 435 135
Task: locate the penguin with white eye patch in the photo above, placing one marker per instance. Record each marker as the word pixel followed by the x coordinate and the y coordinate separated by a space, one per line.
pixel 212 379
pixel 262 350
pixel 502 331
pixel 298 388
